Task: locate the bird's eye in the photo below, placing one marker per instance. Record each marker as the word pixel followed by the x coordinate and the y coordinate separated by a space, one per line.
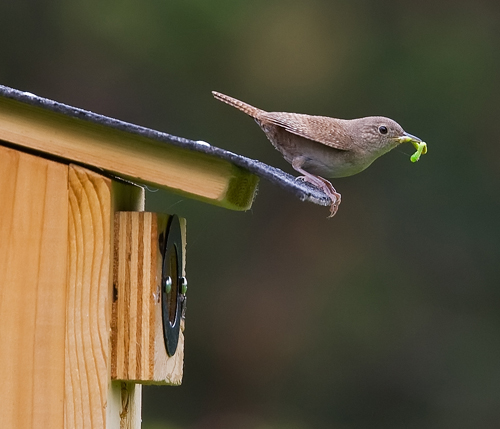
pixel 382 129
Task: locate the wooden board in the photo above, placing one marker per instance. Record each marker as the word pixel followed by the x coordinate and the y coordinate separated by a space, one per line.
pixel 33 254
pixel 139 352
pixel 88 317
pixel 136 158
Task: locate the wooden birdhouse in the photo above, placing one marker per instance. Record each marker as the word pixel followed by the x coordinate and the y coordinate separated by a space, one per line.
pixel 92 288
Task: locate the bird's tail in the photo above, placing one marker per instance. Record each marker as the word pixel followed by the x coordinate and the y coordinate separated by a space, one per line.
pixel 240 105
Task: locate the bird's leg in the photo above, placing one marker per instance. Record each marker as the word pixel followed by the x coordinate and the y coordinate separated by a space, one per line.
pixel 321 183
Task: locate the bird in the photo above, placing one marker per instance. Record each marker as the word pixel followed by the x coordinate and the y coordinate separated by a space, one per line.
pixel 321 148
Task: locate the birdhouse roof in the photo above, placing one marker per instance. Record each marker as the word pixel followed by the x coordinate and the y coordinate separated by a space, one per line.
pixel 196 169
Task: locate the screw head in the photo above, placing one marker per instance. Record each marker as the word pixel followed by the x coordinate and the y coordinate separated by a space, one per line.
pixel 167 286
pixel 184 285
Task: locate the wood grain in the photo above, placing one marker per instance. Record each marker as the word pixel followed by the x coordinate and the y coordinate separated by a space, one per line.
pixel 88 299
pixel 33 256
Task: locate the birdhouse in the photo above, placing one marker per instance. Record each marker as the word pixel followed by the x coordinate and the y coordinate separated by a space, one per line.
pixel 93 289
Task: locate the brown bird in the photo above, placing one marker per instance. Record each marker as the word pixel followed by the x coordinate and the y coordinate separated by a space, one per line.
pixel 319 146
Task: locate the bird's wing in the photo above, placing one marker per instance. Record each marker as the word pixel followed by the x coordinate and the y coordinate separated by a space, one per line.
pixel 328 131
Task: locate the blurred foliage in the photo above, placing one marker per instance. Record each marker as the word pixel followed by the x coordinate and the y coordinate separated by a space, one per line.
pixel 385 316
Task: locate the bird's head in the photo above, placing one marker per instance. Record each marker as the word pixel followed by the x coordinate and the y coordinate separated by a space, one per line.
pixel 382 134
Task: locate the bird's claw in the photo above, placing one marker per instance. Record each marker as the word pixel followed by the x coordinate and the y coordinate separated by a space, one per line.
pixel 328 189
pixel 334 206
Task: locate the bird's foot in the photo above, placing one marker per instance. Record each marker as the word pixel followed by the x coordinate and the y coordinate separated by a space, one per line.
pixel 327 188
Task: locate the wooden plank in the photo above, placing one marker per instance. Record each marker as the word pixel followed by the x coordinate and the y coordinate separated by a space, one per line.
pixel 87 317
pixel 139 352
pixel 91 401
pixel 33 256
pixel 127 155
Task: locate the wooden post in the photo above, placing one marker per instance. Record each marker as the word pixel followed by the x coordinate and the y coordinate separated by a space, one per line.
pixel 56 244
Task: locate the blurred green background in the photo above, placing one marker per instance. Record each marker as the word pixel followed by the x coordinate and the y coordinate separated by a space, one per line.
pixel 386 316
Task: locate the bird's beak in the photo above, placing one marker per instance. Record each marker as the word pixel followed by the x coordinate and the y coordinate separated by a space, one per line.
pixel 415 141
